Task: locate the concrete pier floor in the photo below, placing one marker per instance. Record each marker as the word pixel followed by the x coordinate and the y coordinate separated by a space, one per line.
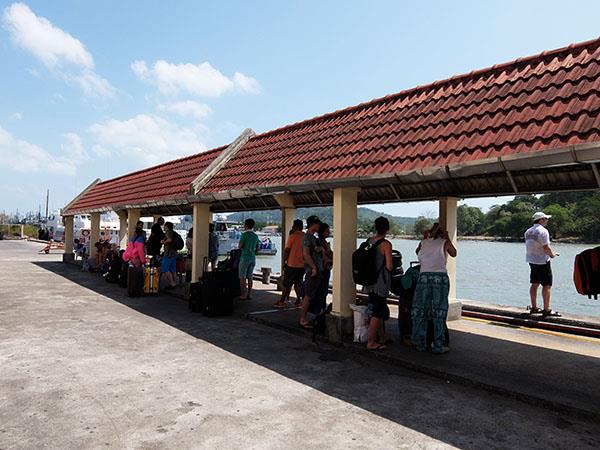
pixel 83 366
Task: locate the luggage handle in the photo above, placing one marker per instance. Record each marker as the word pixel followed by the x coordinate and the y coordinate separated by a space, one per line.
pixel 205 265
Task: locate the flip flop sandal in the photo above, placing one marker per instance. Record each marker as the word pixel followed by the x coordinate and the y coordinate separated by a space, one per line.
pixel 379 348
pixel 534 310
pixel 306 326
pixel 550 313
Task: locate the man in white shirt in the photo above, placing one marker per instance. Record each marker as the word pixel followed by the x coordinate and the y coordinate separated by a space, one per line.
pixel 539 254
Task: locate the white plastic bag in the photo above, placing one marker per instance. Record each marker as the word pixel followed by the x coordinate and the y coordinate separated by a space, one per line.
pixel 361 323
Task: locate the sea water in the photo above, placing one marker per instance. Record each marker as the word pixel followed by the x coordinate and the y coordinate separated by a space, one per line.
pixel 496 273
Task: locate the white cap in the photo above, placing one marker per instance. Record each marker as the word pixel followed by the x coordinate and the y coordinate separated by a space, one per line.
pixel 540 215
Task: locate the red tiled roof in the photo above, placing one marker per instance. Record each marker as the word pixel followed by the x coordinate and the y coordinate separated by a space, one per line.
pixel 533 104
pixel 168 181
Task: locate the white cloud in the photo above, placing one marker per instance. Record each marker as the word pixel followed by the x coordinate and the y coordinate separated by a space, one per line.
pixel 59 51
pixel 147 139
pixel 49 44
pixel 22 156
pixel 188 108
pixel 16 115
pixel 246 84
pixel 73 148
pixel 93 85
pixel 202 79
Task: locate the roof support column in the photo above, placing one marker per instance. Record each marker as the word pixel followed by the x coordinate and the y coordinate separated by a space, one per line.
pixel 344 289
pixel 68 223
pixel 201 218
pixel 133 215
pixel 288 214
pixel 122 228
pixel 94 235
pixel 448 207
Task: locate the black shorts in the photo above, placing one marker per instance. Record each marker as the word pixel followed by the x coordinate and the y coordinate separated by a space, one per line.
pixel 311 284
pixel 378 307
pixel 541 274
pixel 292 276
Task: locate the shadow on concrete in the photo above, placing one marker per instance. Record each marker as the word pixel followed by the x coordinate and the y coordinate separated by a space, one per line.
pixel 561 380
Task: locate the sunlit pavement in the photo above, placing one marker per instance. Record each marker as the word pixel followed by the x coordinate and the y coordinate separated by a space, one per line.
pixel 83 366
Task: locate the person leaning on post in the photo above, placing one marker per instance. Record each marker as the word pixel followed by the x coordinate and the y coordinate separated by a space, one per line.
pixel 433 286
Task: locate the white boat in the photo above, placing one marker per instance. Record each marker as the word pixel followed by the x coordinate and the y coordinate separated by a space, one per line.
pixel 229 239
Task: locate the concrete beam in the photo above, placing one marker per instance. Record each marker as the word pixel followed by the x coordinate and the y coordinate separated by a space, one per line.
pixel 133 215
pixel 94 235
pixel 447 212
pixel 284 200
pixel 344 289
pixel 201 219
pixel 123 228
pixel 68 223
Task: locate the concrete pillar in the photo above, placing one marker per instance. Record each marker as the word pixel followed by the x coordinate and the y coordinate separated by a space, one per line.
pixel 133 215
pixel 68 223
pixel 94 234
pixel 344 237
pixel 122 228
pixel 448 209
pixel 287 219
pixel 201 218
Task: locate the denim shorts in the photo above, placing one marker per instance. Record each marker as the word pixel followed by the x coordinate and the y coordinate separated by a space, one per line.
pixel 168 264
pixel 246 269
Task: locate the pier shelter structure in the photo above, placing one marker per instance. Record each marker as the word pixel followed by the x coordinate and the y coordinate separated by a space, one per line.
pixel 528 126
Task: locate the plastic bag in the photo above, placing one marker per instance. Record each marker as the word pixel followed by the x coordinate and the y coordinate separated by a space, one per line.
pixel 361 323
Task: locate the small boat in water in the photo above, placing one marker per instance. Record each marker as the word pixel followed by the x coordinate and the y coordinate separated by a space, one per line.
pixel 229 234
pixel 267 247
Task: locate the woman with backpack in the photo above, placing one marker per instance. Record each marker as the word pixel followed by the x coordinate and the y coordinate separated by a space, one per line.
pixel 378 292
pixel 431 293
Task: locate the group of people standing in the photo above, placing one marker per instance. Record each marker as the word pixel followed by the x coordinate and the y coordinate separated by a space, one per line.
pixel 308 260
pixel 158 246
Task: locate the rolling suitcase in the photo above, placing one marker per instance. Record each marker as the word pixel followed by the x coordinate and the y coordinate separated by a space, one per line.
pixel 151 280
pixel 135 281
pixel 212 295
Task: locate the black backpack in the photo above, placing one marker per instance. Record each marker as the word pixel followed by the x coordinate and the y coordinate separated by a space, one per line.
pixel 364 263
pixel 177 241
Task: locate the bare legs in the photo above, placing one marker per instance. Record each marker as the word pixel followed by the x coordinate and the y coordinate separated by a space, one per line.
pixel 376 333
pixel 304 310
pixel 245 288
pixel 545 296
pixel 170 278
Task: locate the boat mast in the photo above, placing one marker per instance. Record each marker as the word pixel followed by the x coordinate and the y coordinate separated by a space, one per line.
pixel 47 197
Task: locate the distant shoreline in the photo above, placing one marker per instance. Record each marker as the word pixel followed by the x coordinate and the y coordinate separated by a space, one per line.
pixel 569 240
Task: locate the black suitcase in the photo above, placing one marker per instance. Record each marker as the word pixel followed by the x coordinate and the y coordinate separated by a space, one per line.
pixel 123 277
pixel 135 281
pixel 213 294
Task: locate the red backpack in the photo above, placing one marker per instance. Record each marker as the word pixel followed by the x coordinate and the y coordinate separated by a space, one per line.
pixel 586 273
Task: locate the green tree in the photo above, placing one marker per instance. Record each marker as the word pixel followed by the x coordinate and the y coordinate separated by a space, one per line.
pixel 561 224
pixel 422 224
pixel 469 220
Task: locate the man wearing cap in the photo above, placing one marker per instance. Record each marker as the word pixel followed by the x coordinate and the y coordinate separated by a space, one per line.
pixel 539 254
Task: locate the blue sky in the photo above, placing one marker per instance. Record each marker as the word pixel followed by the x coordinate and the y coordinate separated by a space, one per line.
pixel 98 89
